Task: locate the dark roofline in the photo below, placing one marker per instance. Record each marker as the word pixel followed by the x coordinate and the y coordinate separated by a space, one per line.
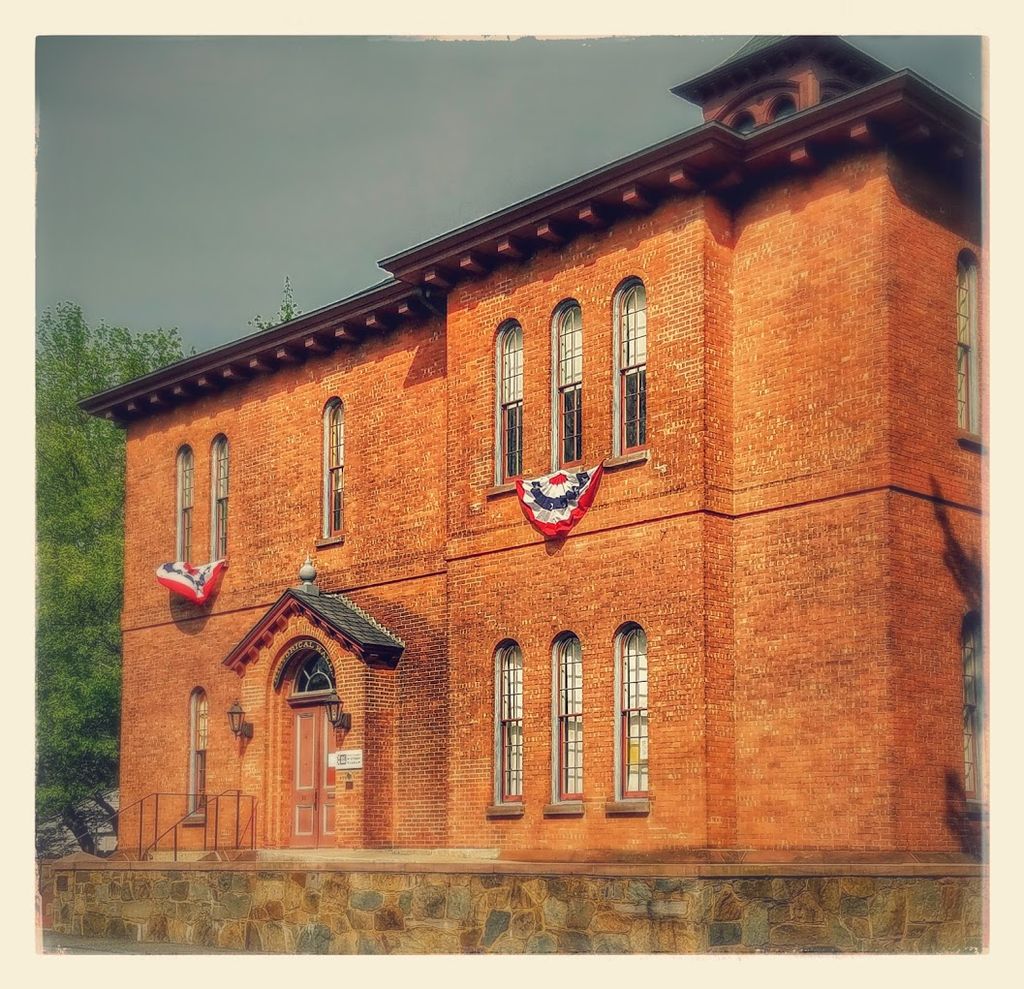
pixel 746 61
pixel 348 320
pixel 706 153
pixel 903 108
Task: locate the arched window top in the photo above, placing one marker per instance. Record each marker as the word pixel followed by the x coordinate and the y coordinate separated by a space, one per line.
pixel 744 122
pixel 508 460
pixel 333 468
pixel 186 498
pixel 315 674
pixel 966 259
pixel 508 722
pixel 783 106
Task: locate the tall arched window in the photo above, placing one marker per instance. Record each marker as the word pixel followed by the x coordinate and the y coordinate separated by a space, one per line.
pixel 508 666
pixel 568 733
pixel 509 427
pixel 219 499
pixel 630 386
pixel 197 732
pixel 334 468
pixel 186 487
pixel 967 392
pixel 970 653
pixel 632 739
pixel 567 386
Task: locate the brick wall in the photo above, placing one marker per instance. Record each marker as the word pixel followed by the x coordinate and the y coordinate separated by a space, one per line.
pixel 787 545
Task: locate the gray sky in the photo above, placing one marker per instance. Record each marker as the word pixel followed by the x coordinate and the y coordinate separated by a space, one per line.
pixel 180 179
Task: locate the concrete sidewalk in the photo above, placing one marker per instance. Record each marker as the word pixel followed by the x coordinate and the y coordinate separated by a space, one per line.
pixel 74 944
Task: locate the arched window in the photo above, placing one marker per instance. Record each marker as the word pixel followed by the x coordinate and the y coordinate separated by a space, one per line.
pixel 744 122
pixel 967 398
pixel 631 762
pixel 186 485
pixel 198 730
pixel 219 499
pixel 315 675
pixel 509 428
pixel 970 653
pixel 508 666
pixel 567 386
pixel 630 386
pixel 783 107
pixel 334 468
pixel 568 733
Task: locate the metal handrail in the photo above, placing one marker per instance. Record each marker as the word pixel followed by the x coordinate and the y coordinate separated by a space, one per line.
pixel 207 801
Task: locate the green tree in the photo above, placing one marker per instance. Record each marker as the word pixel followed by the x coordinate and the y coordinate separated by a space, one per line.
pixel 80 537
pixel 289 310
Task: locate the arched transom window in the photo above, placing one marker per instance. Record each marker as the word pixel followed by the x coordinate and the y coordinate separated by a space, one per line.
pixel 314 675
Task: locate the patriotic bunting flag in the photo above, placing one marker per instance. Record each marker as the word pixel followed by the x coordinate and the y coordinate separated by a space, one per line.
pixel 555 503
pixel 194 583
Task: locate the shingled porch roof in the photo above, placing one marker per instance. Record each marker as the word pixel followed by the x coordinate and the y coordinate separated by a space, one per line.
pixel 334 614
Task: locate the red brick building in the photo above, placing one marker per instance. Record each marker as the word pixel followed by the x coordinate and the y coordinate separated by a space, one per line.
pixel 766 632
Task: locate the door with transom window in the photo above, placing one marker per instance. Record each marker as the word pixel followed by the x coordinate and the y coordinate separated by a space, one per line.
pixel 312 803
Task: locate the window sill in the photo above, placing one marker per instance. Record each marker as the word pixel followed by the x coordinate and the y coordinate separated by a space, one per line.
pixel 196 820
pixel 333 541
pixel 500 489
pixel 627 808
pixel 496 811
pixel 627 459
pixel 970 441
pixel 565 808
pixel 977 810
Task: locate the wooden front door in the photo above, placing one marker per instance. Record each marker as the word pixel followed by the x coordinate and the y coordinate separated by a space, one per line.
pixel 312 780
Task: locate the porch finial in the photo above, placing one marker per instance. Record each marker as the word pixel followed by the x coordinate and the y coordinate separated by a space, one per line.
pixel 307 574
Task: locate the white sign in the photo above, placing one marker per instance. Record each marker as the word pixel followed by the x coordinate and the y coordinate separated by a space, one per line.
pixel 348 759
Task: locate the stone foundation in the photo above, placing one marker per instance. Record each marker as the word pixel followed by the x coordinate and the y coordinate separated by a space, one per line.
pixel 505 907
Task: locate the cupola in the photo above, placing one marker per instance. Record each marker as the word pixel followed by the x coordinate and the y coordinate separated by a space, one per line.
pixel 771 78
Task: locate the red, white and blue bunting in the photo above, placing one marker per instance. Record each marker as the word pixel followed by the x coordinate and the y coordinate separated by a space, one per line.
pixel 555 503
pixel 194 583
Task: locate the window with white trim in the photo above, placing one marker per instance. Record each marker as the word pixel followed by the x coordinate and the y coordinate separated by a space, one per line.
pixel 967 391
pixel 567 386
pixel 219 499
pixel 568 733
pixel 509 723
pixel 334 468
pixel 632 737
pixel 509 446
pixel 970 655
pixel 186 490
pixel 630 385
pixel 199 725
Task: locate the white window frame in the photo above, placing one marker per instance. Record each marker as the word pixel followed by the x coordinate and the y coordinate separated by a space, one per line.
pixel 620 768
pixel 500 796
pixel 334 406
pixel 970 637
pixel 500 404
pixel 967 358
pixel 198 694
pixel 558 386
pixel 560 643
pixel 218 500
pixel 618 427
pixel 180 547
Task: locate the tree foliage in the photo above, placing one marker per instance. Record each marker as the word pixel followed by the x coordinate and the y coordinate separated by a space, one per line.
pixel 80 522
pixel 289 310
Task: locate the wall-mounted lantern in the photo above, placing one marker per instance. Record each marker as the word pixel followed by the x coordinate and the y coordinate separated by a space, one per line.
pixel 337 717
pixel 240 728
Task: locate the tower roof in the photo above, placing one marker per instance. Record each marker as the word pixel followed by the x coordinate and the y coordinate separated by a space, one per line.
pixel 763 53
